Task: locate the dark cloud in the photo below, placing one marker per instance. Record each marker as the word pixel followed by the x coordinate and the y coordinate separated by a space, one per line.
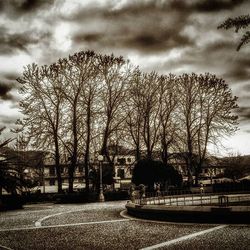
pixel 1 5
pixel 239 70
pixel 108 12
pixel 137 8
pixel 244 113
pixel 9 87
pixel 179 5
pixel 219 45
pixel 32 5
pixel 216 5
pixel 148 26
pixel 157 41
pixel 89 37
pixel 244 61
pixel 246 88
pixel 143 42
pixel 130 9
pixel 9 43
pixel 145 26
pixel 5 91
pixel 11 76
pixel 15 8
pixel 218 57
pixel 238 73
pixel 204 5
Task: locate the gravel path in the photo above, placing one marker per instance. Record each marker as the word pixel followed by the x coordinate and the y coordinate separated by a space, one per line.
pixel 67 227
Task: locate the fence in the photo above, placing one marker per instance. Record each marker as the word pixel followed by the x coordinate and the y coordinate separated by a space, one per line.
pixel 191 199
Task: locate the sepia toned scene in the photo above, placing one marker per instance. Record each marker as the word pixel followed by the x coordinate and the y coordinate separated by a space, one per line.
pixel 124 124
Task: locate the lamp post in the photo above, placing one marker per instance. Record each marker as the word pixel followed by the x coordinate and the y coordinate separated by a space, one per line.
pixel 25 177
pixel 101 196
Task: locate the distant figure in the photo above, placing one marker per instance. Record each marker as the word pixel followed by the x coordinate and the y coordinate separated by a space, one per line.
pixel 201 188
pixel 132 193
pixel 142 190
pixel 158 189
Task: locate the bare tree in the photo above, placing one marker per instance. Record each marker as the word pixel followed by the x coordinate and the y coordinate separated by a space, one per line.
pixel 215 108
pixel 188 118
pixel 41 107
pixel 134 120
pixel 76 72
pixel 150 110
pixel 236 166
pixel 114 73
pixel 168 100
pixel 205 111
pixel 5 177
pixel 88 101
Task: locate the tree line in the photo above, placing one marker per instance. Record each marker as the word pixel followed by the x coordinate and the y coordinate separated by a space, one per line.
pixel 87 102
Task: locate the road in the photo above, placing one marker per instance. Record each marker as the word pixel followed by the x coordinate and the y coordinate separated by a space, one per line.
pixel 105 226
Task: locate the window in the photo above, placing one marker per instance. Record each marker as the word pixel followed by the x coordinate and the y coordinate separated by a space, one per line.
pixel 121 173
pixel 52 182
pixel 129 160
pixel 52 170
pixel 80 168
pixel 121 161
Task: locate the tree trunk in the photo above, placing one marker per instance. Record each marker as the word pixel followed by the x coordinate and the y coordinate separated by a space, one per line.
pixel 164 155
pixel 58 166
pixel 86 158
pixel 104 150
pixel 72 167
pixel 197 172
pixel 149 152
pixel 138 153
pixel 71 178
pixel 189 166
pixel 189 155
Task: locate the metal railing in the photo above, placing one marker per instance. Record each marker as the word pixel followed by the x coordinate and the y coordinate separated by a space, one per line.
pixel 201 199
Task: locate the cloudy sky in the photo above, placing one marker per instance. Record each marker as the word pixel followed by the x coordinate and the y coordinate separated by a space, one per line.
pixel 166 36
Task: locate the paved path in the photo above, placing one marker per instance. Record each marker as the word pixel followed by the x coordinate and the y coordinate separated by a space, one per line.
pixel 101 226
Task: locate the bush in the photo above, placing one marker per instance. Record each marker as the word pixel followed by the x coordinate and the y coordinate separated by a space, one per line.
pixel 9 202
pixel 77 197
pixel 116 195
pixel 148 172
pixel 244 185
pixel 70 198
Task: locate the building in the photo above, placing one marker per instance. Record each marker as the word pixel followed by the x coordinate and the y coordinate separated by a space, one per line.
pixel 123 165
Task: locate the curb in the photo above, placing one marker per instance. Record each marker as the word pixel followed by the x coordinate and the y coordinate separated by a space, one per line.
pixel 201 214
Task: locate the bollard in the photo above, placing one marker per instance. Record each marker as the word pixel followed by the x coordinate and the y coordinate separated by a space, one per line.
pixel 223 200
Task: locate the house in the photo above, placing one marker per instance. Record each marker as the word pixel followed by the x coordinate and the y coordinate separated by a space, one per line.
pixel 123 165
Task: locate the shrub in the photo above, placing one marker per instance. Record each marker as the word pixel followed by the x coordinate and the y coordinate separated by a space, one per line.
pixel 9 202
pixel 116 195
pixel 148 172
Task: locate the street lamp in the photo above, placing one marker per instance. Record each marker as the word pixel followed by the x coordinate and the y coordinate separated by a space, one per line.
pixel 24 177
pixel 25 171
pixel 100 159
